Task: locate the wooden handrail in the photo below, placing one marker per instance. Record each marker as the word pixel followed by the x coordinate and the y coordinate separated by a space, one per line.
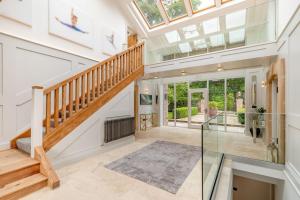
pixel 68 98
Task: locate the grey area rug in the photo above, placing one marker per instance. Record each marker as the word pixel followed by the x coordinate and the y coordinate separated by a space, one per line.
pixel 163 164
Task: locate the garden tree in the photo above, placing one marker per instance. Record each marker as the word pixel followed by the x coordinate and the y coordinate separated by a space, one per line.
pixel 216 93
pixel 150 10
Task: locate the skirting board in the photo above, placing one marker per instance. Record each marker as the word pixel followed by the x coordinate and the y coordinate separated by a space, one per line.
pixel 64 161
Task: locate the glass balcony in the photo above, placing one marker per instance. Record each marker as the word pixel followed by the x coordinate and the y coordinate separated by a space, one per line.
pixel 254 25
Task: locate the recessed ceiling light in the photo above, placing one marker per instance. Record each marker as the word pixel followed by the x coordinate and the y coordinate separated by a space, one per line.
pixel 211 26
pixel 217 40
pixel 183 73
pixel 237 36
pixel 155 77
pixel 236 19
pixel 200 44
pixel 172 36
pixel 190 31
pixel 185 47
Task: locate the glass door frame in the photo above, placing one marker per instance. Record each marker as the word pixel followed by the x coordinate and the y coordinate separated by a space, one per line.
pixel 204 92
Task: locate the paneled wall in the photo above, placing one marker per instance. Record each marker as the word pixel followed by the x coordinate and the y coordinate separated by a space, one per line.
pixel 288 48
pixel 23 64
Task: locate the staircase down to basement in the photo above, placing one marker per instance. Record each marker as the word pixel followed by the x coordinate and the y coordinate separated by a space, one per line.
pixel 19 175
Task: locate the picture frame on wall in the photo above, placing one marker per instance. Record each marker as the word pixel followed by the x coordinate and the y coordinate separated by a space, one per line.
pixel 145 99
pixel 17 10
pixel 69 22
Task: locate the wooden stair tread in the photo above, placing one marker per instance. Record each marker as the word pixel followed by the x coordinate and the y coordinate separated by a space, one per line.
pixel 12 156
pixel 22 186
pixel 21 164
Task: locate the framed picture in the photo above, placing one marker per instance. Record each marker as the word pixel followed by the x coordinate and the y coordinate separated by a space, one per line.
pixel 68 22
pixel 145 99
pixel 17 10
pixel 111 41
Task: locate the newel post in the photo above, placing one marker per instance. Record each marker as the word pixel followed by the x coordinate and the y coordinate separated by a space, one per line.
pixel 37 118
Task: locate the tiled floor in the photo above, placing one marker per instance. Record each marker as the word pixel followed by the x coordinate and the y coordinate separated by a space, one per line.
pixel 89 179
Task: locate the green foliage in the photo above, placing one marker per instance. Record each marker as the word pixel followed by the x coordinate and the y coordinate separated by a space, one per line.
pixel 212 105
pixel 183 112
pixel 230 101
pixel 170 115
pixel 176 8
pixel 150 11
pixel 241 115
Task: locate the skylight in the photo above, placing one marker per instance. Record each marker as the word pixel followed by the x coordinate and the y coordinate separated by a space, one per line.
pixel 198 5
pixel 237 36
pixel 236 19
pixel 200 44
pixel 185 47
pixel 172 36
pixel 174 8
pixel 190 31
pixel 217 40
pixel 150 12
pixel 211 26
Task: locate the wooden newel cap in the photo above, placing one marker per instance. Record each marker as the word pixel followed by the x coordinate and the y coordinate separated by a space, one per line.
pixel 37 87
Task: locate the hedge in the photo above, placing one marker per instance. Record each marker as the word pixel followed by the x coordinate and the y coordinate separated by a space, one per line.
pixel 241 116
pixel 182 112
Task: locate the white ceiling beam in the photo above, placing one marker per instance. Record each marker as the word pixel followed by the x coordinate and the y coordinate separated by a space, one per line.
pixel 188 7
pixel 140 23
pixel 162 11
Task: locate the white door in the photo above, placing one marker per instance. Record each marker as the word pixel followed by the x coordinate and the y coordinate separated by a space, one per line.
pixel 197 107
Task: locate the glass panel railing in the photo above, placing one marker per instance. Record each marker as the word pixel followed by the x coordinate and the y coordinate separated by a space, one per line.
pixel 253 25
pixel 255 135
pixel 212 153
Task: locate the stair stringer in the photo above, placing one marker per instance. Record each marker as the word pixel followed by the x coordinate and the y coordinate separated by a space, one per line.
pixel 88 137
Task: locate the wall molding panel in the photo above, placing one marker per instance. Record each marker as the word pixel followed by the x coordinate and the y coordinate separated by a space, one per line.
pixel 22 64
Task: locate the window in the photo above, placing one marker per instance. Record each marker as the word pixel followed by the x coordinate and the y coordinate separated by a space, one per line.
pixel 236 19
pixel 200 44
pixel 217 40
pixel 211 26
pixel 198 5
pixel 150 12
pixel 190 31
pixel 185 47
pixel 237 36
pixel 174 8
pixel 172 36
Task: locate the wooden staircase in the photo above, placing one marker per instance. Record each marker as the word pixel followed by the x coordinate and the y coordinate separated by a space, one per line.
pixel 67 104
pixel 21 175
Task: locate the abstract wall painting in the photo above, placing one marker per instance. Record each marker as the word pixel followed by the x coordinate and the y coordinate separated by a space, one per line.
pixel 17 10
pixel 68 22
pixel 111 41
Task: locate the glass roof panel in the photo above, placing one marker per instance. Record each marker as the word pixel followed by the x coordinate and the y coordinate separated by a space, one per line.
pixel 185 47
pixel 211 26
pixel 190 31
pixel 236 19
pixel 217 40
pixel 150 12
pixel 237 36
pixel 198 5
pixel 174 8
pixel 172 36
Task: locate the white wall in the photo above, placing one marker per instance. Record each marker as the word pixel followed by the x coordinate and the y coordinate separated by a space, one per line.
pixel 288 48
pixel 285 10
pixel 104 13
pixel 89 136
pixel 30 55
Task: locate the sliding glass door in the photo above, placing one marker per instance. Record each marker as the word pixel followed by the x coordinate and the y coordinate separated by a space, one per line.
pixel 197 107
